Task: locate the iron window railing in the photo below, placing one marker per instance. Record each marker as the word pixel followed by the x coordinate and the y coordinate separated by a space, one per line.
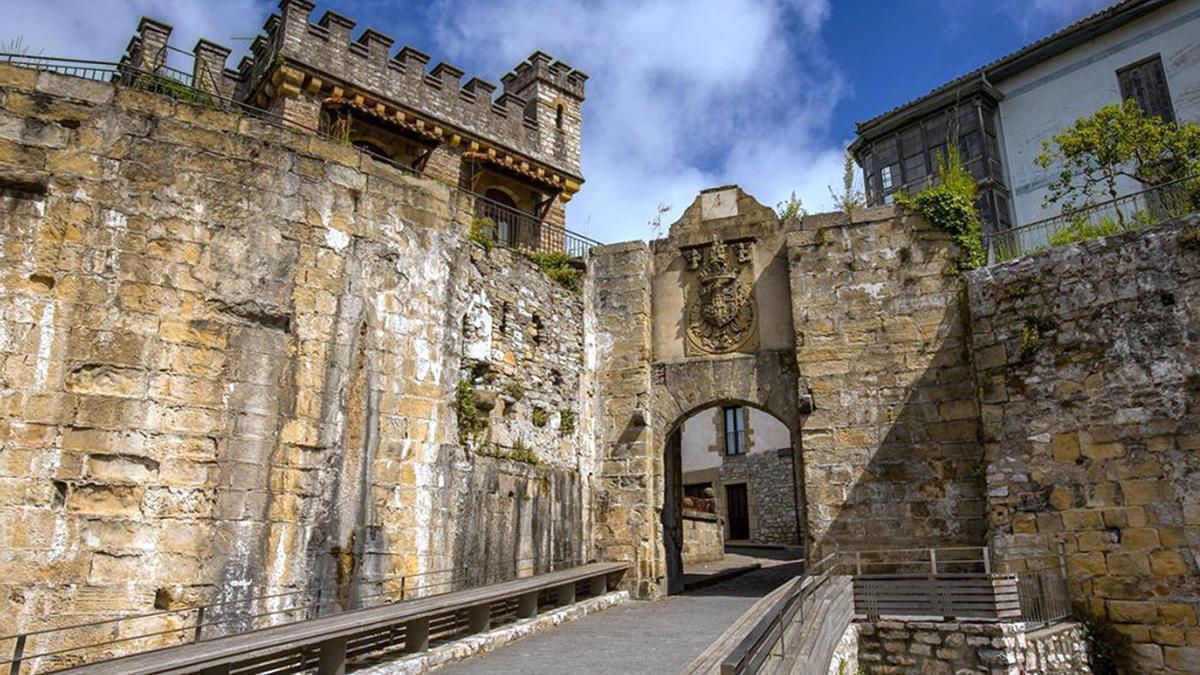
pixel 517 229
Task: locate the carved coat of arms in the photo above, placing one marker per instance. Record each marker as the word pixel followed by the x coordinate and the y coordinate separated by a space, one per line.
pixel 720 318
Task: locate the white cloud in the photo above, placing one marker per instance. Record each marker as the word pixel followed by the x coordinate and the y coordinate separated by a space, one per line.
pixel 683 95
pixel 100 29
pixel 1037 18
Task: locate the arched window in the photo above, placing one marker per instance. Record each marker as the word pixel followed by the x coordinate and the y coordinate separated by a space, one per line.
pixel 558 115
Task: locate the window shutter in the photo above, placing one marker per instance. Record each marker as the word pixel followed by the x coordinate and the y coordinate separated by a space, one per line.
pixel 1146 83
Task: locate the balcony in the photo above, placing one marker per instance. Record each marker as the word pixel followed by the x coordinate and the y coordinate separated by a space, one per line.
pixel 516 229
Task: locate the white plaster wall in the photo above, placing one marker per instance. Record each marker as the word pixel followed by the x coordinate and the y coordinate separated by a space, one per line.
pixel 1049 97
pixel 703 445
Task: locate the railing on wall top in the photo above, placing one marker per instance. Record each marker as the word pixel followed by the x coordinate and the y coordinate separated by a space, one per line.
pixel 510 227
pixel 1134 211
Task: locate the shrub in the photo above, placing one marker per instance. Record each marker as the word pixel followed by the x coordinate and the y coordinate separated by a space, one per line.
pixel 483 232
pixel 1082 229
pixel 558 266
pixel 950 206
pixel 471 424
pixel 566 421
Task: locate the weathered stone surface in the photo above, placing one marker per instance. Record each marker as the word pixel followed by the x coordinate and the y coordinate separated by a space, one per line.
pixel 910 647
pixel 1101 371
pixel 228 366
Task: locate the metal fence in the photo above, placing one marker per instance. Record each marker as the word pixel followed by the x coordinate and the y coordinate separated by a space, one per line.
pixel 506 226
pixel 752 652
pixel 519 230
pixel 1134 211
pixel 901 578
pixel 77 644
pixel 910 561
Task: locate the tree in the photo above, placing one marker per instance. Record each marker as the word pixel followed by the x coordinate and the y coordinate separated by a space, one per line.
pixel 851 198
pixel 1117 141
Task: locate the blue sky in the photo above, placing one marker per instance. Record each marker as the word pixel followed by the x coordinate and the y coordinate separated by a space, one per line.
pixel 683 95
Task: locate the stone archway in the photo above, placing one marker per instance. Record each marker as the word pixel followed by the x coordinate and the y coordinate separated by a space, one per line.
pixel 671 510
pixel 735 305
pixel 698 318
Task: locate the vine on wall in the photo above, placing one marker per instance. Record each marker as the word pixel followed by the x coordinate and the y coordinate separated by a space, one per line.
pixel 950 206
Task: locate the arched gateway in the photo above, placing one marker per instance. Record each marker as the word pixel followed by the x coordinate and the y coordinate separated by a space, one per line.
pixel 710 306
pixel 848 330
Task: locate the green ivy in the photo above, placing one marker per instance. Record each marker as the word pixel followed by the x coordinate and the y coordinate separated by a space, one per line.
pixel 518 453
pixel 558 266
pixel 471 424
pixel 566 423
pixel 950 206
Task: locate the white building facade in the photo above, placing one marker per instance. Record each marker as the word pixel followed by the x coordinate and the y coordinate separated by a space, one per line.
pixel 1000 114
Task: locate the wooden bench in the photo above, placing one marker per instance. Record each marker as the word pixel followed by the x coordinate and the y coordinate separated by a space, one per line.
pixel 328 642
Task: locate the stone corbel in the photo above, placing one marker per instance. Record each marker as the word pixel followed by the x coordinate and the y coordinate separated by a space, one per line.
pixel 287 81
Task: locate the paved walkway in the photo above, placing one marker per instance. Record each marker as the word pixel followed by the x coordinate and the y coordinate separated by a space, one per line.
pixel 640 637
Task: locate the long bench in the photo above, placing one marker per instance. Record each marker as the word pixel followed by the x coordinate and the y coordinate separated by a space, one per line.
pixel 329 642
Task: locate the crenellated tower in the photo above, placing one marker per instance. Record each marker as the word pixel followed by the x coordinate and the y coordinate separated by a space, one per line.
pixel 519 152
pixel 553 95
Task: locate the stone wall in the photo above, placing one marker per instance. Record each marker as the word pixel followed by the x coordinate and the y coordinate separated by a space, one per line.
pixel 770 491
pixel 703 538
pixel 1088 359
pixel 887 647
pixel 230 353
pixel 891 450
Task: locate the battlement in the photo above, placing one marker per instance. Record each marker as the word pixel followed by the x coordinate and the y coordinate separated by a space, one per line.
pixel 330 55
pixel 541 66
pixel 326 61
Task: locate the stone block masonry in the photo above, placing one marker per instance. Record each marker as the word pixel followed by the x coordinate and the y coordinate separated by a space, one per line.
pixel 228 358
pixel 1088 363
pixel 891 452
pixel 886 647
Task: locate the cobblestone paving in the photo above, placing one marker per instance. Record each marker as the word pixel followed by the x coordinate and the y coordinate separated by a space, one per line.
pixel 640 637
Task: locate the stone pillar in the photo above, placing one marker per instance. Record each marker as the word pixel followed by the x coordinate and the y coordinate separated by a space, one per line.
pixel 153 37
pixel 416 636
pixel 619 299
pixel 479 618
pixel 208 68
pixel 565 595
pixel 599 586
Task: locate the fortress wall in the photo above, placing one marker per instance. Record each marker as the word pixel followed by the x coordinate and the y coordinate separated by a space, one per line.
pixel 891 449
pixel 229 355
pixel 1088 359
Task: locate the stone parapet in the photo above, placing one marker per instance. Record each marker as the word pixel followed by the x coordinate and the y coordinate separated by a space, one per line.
pixel 327 51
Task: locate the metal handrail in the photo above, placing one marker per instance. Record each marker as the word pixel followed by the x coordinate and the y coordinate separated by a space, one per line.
pixel 749 654
pixel 573 244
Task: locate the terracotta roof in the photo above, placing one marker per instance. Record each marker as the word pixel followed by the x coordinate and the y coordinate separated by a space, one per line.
pixel 518 166
pixel 1107 19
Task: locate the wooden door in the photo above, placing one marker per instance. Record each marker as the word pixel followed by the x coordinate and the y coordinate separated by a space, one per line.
pixel 737 509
